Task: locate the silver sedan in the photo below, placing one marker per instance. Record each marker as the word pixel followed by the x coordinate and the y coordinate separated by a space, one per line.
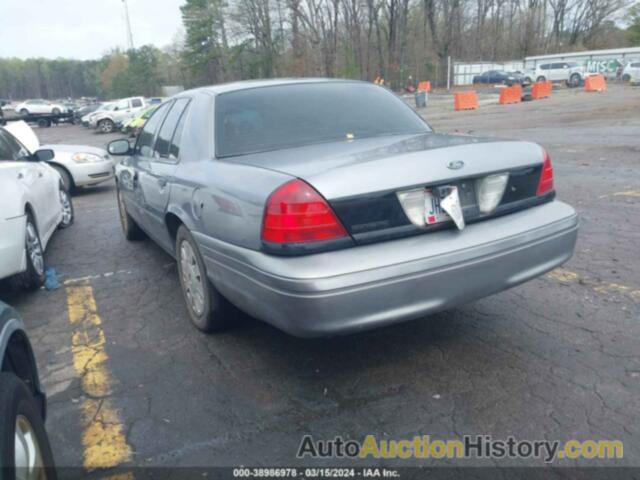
pixel 327 207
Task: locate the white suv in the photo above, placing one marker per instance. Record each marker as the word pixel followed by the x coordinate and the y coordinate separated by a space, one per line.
pixel 631 72
pixel 570 72
pixel 120 112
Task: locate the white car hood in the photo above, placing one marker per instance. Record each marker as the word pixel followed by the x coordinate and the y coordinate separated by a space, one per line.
pixel 25 134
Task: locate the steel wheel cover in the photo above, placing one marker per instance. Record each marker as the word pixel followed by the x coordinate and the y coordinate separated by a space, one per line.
pixel 192 280
pixel 34 248
pixel 28 456
pixel 67 213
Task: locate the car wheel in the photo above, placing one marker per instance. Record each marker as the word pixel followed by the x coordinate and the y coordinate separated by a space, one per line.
pixel 56 111
pixel 208 309
pixel 106 126
pixel 67 181
pixel 25 451
pixel 33 276
pixel 66 204
pixel 574 80
pixel 540 79
pixel 129 226
pixel 24 111
pixel 626 77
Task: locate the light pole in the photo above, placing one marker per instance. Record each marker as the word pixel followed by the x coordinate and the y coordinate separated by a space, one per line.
pixel 128 25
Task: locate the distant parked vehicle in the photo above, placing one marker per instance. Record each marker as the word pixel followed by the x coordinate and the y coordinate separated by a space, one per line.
pixel 108 120
pixel 572 73
pixel 85 110
pixel 631 72
pixel 495 76
pixel 78 165
pixel 39 106
pixel 25 452
pixel 133 126
pixel 86 119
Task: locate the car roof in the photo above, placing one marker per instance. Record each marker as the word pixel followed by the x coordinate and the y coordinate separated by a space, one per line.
pixel 249 84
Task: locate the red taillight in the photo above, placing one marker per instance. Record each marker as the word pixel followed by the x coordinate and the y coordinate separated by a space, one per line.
pixel 545 184
pixel 296 213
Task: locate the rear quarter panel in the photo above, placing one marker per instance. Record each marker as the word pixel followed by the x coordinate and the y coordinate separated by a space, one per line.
pixel 218 199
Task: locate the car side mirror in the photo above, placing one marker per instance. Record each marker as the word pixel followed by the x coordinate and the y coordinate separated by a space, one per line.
pixel 119 147
pixel 44 155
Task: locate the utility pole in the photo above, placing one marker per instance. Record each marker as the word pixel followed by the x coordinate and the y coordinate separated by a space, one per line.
pixel 128 25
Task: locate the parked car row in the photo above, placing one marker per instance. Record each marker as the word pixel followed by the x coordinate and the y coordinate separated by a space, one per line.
pixel 571 73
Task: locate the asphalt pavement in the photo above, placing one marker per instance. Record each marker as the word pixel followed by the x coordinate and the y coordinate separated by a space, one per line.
pixel 555 358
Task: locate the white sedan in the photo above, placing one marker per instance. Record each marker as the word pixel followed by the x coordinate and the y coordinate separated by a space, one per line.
pixel 32 205
pixel 78 165
pixel 39 106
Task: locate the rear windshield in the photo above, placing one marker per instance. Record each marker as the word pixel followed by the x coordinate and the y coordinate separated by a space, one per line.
pixel 286 116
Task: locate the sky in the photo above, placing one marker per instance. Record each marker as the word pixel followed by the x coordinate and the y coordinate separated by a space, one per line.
pixel 83 29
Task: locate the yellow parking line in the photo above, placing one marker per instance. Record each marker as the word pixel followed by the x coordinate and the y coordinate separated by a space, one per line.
pixel 628 193
pixel 563 275
pixel 103 440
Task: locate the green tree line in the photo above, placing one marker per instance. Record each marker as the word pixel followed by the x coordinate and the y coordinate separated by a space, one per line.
pixel 140 71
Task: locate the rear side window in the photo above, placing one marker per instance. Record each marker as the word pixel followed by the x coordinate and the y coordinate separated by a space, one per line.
pixel 166 134
pixel 174 150
pixel 136 102
pixel 636 65
pixel 144 145
pixel 287 116
pixel 545 66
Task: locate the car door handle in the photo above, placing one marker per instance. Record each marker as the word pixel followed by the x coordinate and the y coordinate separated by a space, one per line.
pixel 162 182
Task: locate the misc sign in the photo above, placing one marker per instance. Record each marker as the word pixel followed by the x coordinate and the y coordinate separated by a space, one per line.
pixel 604 65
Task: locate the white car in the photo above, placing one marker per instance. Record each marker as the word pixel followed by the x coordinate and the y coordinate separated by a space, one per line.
pixel 631 72
pixel 572 73
pixel 78 165
pixel 120 112
pixel 32 205
pixel 39 106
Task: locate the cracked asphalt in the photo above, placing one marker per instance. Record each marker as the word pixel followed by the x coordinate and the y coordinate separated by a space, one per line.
pixel 555 358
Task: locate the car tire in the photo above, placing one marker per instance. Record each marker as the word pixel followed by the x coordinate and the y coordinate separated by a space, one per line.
pixel 540 79
pixel 21 424
pixel 55 111
pixel 106 126
pixel 208 309
pixel 24 112
pixel 68 214
pixel 574 80
pixel 67 181
pixel 33 277
pixel 130 228
pixel 626 77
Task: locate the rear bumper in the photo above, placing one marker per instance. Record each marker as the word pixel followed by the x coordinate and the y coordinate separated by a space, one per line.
pixel 369 286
